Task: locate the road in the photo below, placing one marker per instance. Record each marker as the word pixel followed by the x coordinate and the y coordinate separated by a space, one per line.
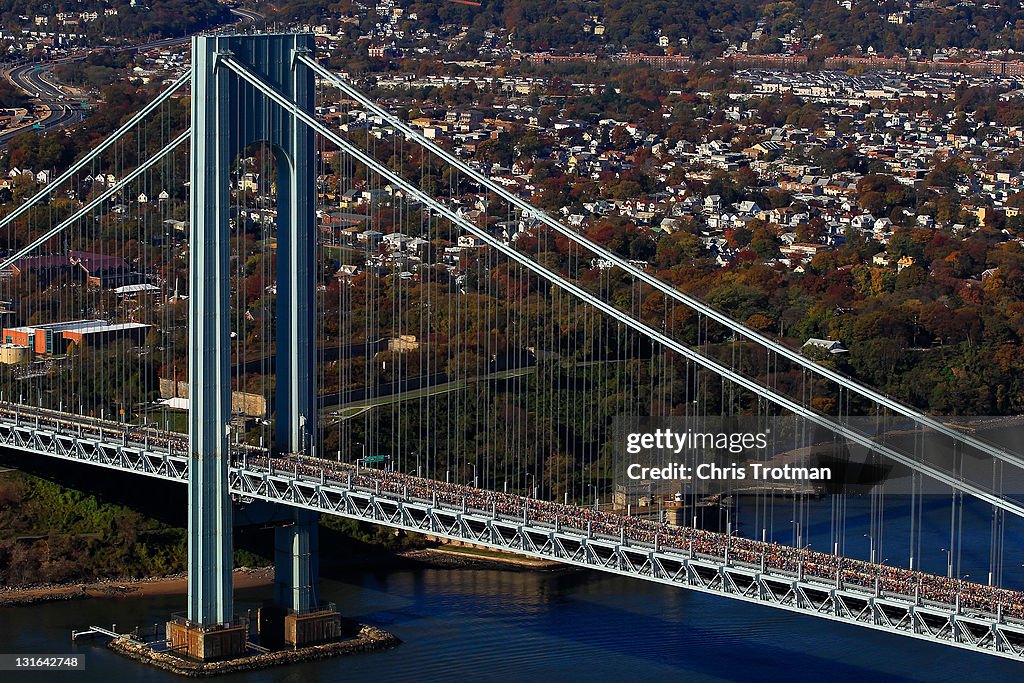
pixel 247 15
pixel 38 81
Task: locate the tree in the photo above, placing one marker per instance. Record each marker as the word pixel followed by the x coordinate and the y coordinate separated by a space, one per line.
pixel 679 247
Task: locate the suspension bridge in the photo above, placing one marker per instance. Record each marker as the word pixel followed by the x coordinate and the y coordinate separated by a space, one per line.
pixel 201 295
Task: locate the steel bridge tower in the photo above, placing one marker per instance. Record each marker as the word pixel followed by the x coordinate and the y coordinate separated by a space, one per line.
pixel 228 115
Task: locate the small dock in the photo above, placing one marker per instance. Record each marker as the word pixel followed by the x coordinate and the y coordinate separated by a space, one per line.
pixel 94 631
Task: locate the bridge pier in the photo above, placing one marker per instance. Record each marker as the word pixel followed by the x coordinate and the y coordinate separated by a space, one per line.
pixel 228 115
pixel 303 620
pixel 296 566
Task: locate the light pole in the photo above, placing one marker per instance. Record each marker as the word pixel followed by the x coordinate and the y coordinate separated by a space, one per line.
pixel 799 538
pixel 871 541
pixel 362 459
pixel 949 562
pixel 474 474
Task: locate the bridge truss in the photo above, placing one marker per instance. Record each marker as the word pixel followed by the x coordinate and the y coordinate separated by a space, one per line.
pixel 907 615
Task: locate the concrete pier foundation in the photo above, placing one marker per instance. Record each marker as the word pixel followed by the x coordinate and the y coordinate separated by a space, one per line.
pixel 207 643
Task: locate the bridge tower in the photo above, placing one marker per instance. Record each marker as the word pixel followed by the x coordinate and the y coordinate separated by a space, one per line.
pixel 228 114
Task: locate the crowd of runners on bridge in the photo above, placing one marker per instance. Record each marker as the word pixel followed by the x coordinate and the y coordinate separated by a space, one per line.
pixel 773 556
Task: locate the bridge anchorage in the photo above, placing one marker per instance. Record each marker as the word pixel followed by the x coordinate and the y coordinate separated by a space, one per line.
pixel 483 358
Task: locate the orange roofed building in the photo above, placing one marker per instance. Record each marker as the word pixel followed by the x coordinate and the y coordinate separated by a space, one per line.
pixel 54 338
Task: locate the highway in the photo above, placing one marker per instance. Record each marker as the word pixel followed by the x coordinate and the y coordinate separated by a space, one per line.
pixel 38 81
pixel 247 16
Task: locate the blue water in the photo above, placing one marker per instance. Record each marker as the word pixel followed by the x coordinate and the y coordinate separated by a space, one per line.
pixel 475 625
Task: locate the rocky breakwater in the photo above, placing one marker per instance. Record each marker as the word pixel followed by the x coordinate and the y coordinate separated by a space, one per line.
pixel 367 639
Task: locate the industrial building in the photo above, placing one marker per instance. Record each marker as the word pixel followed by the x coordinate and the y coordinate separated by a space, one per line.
pixel 55 338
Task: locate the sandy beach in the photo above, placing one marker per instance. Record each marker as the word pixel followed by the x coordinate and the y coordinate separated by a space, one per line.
pixel 165 585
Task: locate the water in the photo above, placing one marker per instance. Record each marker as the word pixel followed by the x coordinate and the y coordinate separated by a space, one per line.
pixel 477 625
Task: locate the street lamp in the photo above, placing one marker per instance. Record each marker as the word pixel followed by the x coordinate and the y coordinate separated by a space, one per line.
pixel 949 562
pixel 362 459
pixel 871 540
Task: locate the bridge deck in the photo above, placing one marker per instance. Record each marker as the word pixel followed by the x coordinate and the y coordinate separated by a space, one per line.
pixel 569 535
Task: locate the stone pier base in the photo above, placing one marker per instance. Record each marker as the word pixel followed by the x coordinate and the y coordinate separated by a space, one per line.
pixel 301 630
pixel 367 639
pixel 206 643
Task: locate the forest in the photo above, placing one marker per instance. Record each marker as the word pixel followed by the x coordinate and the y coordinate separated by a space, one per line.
pixel 707 27
pixel 11 96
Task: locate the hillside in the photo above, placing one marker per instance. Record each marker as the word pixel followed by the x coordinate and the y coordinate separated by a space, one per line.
pixel 700 29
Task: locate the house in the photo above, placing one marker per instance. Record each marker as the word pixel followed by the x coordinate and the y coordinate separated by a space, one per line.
pixel 830 345
pixel 372 238
pixel 863 222
pixel 712 203
pixel 747 208
pixel 803 250
pixel 395 241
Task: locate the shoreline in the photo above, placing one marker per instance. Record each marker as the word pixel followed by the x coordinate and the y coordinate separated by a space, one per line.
pixel 174 584
pixel 439 557
pixel 448 556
